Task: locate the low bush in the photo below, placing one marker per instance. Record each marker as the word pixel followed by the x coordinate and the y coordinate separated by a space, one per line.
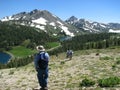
pixel 87 82
pixel 106 58
pixel 109 82
pixel 118 62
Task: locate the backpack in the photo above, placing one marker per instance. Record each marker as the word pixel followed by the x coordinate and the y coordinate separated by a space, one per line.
pixel 70 52
pixel 43 64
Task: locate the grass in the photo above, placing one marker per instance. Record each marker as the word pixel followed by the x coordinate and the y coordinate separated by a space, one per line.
pixel 21 51
pixel 52 44
pixel 106 58
pixel 67 74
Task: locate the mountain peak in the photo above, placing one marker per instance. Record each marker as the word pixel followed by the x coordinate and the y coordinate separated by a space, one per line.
pixel 34 11
pixel 43 20
pixel 72 20
pixel 92 26
pixel 48 22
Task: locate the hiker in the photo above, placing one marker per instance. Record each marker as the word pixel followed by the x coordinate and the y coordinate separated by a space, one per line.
pixel 56 54
pixel 41 65
pixel 69 54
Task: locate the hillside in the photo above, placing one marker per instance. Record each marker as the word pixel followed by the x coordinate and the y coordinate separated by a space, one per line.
pixel 53 25
pixel 66 74
pixel 42 20
pixel 15 35
pixel 93 26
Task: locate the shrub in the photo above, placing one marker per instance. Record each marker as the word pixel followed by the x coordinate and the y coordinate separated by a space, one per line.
pixel 11 72
pixel 62 62
pixel 87 82
pixel 118 62
pixel 109 82
pixel 113 66
pixel 106 58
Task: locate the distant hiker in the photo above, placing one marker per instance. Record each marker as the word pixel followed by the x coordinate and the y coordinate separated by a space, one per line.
pixel 97 54
pixel 41 65
pixel 56 54
pixel 69 54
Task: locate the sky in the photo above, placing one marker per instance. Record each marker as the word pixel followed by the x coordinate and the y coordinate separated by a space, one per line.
pixel 104 11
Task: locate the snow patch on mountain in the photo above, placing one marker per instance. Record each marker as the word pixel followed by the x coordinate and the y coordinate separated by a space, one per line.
pixel 40 21
pixel 85 28
pixel 95 24
pixel 114 31
pixel 52 24
pixel 65 29
pixel 54 34
pixel 24 17
pixel 32 25
pixel 92 26
pixel 54 16
pixel 59 22
pixel 55 27
pixel 40 27
pixel 102 25
pixel 22 23
pixel 7 18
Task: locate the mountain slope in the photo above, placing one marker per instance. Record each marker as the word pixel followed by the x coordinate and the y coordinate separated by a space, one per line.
pixel 92 26
pixel 43 20
pixel 53 25
pixel 65 74
pixel 14 34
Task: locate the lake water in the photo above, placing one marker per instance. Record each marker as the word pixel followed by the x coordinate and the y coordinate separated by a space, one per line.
pixel 4 57
pixel 65 38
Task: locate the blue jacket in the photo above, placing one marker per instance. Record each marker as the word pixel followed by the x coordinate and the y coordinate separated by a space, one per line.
pixel 37 57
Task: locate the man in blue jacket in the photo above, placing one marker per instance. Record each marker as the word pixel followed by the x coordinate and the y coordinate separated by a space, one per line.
pixel 41 61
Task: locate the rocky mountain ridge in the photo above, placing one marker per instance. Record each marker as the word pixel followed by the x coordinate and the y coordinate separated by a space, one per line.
pixel 43 20
pixel 92 26
pixel 50 23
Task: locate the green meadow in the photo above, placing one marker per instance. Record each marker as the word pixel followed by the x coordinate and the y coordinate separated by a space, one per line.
pixel 21 51
pixel 52 44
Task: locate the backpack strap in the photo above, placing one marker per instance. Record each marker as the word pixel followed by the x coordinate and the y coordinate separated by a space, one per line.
pixel 42 56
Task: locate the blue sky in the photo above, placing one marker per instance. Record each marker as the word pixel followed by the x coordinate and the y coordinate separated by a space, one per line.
pixel 105 11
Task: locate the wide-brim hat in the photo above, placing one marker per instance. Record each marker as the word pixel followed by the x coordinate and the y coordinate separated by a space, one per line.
pixel 40 48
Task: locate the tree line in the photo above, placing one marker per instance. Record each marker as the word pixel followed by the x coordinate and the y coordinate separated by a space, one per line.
pixel 92 41
pixel 13 35
pixel 89 41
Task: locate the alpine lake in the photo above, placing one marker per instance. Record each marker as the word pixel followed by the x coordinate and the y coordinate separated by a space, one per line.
pixel 4 57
